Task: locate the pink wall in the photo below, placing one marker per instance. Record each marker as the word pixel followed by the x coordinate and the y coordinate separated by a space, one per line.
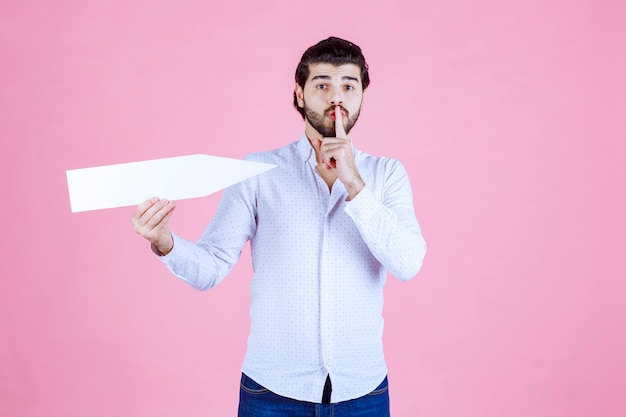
pixel 509 116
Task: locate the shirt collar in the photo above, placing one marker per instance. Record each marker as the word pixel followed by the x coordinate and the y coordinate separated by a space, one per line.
pixel 305 150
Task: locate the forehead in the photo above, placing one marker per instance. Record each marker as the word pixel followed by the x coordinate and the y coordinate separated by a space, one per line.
pixel 338 72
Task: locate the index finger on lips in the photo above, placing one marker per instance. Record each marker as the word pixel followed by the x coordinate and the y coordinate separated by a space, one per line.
pixel 340 132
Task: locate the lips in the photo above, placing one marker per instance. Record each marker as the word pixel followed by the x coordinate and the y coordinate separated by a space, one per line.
pixel 331 113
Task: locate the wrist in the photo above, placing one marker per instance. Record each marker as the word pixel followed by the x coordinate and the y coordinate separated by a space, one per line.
pixel 163 248
pixel 354 187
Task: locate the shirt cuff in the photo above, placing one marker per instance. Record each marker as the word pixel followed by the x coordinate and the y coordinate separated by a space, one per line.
pixel 363 206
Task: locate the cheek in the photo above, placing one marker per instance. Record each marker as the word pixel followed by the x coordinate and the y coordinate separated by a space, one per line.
pixel 355 106
pixel 315 94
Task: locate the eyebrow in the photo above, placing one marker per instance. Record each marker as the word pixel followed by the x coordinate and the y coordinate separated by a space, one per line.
pixel 328 77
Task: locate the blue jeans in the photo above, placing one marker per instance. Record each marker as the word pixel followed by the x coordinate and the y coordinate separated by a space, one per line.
pixel 257 401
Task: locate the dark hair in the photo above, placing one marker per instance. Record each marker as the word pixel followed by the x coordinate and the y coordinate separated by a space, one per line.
pixel 333 51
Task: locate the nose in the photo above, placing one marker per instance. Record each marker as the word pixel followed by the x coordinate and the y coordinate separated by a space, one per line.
pixel 336 97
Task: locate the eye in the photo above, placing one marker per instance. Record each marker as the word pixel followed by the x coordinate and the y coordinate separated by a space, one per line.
pixel 349 87
pixel 321 86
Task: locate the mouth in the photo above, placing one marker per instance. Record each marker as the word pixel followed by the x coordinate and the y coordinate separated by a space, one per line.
pixel 331 113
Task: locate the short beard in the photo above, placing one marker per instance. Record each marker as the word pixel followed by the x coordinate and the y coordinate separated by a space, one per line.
pixel 319 121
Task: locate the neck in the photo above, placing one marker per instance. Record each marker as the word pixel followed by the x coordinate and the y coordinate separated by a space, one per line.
pixel 311 133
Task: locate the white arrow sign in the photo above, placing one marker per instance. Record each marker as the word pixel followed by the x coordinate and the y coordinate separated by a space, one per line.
pixel 172 178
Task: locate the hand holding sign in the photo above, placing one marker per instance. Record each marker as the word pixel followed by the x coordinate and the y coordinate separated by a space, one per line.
pixel 150 220
pixel 176 178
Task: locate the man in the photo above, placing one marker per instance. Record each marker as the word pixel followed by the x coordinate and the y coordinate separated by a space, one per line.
pixel 324 227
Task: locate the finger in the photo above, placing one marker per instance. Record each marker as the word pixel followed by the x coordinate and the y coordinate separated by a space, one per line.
pixel 167 216
pixel 160 219
pixel 165 213
pixel 340 132
pixel 143 207
pixel 155 215
pixel 152 217
pixel 334 147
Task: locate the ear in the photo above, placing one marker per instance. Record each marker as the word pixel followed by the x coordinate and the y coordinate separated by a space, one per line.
pixel 299 95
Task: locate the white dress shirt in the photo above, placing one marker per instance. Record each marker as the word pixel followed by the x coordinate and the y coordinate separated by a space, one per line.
pixel 320 265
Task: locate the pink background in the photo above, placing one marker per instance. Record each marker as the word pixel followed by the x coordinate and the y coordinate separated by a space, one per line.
pixel 509 116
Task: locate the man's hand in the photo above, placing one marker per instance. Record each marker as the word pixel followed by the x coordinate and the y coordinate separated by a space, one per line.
pixel 150 221
pixel 337 155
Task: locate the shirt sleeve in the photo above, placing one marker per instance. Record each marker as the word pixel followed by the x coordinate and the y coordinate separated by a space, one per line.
pixel 388 225
pixel 205 263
